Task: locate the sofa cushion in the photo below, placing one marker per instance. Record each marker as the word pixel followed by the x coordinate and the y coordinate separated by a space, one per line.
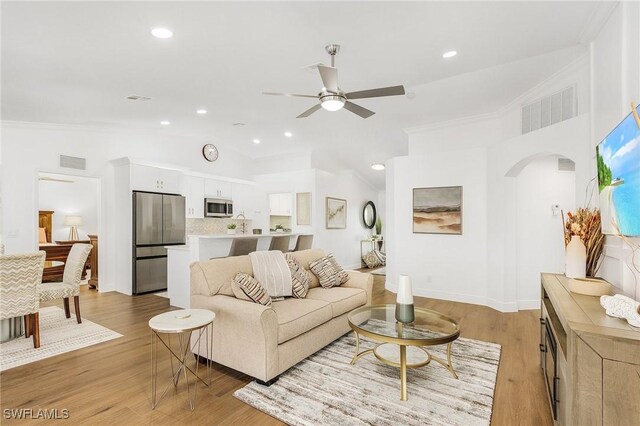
pixel 297 316
pixel 252 288
pixel 329 272
pixel 342 299
pixel 214 276
pixel 300 277
pixel 304 258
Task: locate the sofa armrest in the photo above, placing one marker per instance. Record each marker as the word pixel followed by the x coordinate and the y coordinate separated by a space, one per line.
pixel 245 335
pixel 361 280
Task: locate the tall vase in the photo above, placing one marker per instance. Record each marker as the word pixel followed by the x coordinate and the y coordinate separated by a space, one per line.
pixel 405 312
pixel 576 258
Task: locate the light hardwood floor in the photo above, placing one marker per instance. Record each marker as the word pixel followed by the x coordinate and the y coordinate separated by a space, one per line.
pixel 109 383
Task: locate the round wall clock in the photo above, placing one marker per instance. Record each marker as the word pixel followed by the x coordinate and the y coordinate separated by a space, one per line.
pixel 210 152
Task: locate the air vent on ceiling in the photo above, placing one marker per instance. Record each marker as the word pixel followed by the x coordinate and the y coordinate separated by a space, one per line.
pixel 136 98
pixel 566 165
pixel 549 110
pixel 69 162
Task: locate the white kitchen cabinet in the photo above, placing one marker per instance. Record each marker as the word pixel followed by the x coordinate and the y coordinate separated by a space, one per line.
pixel 244 200
pixel 217 189
pixel 155 179
pixel 194 191
pixel 280 204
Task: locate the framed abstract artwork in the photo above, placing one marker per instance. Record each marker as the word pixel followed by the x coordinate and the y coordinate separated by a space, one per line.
pixel 336 213
pixel 437 210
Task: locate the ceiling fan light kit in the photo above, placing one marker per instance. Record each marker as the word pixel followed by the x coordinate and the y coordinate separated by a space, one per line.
pixel 331 98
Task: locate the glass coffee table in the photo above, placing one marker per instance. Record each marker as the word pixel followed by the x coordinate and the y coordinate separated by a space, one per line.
pixel 430 328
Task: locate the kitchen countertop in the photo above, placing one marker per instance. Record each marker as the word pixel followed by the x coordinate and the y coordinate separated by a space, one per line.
pixel 223 236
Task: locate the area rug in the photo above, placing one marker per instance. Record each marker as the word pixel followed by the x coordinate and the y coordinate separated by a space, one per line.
pixel 380 271
pixel 57 336
pixel 326 389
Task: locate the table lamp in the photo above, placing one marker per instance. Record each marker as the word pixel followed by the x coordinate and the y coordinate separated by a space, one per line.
pixel 405 312
pixel 73 222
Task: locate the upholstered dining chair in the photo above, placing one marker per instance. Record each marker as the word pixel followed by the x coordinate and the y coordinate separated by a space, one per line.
pixel 280 242
pixel 70 285
pixel 20 276
pixel 304 242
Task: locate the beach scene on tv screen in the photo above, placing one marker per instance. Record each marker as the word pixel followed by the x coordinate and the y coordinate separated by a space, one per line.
pixel 618 157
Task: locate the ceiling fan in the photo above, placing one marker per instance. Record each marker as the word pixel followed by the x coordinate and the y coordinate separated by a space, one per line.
pixel 332 98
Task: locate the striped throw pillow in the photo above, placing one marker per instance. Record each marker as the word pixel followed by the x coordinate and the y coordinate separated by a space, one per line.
pixel 252 288
pixel 300 278
pixel 329 273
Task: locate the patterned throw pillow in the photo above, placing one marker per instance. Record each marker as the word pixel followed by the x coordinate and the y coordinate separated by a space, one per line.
pixel 300 278
pixel 371 260
pixel 329 273
pixel 381 256
pixel 252 288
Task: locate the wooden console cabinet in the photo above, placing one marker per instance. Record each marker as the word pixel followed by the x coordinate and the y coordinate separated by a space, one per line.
pixel 591 361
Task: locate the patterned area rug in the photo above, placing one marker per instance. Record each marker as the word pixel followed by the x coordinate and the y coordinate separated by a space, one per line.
pixel 326 389
pixel 57 336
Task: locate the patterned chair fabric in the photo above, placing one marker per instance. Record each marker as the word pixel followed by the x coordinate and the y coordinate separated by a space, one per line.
pixel 20 276
pixel 70 285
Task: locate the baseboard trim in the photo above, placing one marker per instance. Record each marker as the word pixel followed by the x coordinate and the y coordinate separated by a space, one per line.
pixel 526 305
pixel 463 298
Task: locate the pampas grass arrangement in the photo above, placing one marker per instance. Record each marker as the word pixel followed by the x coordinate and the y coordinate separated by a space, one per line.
pixel 585 223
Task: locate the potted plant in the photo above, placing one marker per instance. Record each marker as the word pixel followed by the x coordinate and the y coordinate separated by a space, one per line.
pixel 279 228
pixel 231 228
pixel 378 236
pixel 584 241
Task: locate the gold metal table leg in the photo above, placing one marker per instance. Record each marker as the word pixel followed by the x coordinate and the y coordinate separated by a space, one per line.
pixel 446 363
pixel 357 356
pixel 403 372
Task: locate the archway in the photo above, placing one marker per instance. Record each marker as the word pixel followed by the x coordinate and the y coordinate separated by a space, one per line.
pixel 544 186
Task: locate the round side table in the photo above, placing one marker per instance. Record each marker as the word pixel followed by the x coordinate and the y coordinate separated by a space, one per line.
pixel 183 323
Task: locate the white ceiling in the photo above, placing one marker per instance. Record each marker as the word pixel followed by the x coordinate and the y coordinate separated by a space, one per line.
pixel 75 62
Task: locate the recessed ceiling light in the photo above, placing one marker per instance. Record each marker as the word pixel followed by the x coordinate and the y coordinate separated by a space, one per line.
pixel 162 33
pixel 449 54
pixel 288 134
pixel 377 166
pixel 201 111
pixel 256 141
pixel 165 122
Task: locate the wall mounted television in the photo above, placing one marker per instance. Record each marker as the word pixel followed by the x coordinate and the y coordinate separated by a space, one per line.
pixel 618 158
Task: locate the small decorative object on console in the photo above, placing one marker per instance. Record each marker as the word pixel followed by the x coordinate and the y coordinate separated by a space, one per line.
pixel 620 306
pixel 585 223
pixel 405 312
pixel 231 228
pixel 575 263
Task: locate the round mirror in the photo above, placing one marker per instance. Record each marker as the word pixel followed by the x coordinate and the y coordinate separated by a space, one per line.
pixel 369 214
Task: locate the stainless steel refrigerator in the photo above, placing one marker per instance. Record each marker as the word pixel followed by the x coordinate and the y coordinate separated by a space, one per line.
pixel 158 221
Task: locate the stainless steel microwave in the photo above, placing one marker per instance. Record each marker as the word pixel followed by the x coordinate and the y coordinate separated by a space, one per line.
pixel 218 207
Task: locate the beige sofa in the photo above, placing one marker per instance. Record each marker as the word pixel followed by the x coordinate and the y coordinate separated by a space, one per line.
pixel 264 341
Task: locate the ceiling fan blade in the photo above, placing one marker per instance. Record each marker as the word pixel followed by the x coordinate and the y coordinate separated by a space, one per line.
pixel 309 111
pixel 376 93
pixel 329 77
pixel 290 94
pixel 357 109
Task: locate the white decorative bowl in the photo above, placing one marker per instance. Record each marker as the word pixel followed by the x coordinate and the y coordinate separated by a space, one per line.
pixel 589 286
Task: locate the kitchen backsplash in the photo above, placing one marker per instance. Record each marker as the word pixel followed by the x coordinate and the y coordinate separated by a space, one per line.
pixel 214 226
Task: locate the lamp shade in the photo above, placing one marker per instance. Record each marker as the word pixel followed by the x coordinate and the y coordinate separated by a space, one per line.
pixel 73 220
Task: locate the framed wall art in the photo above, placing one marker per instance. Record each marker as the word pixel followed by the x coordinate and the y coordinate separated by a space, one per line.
pixel 336 213
pixel 437 210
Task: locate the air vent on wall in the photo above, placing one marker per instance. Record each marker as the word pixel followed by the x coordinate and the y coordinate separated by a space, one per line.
pixel 69 162
pixel 566 165
pixel 549 110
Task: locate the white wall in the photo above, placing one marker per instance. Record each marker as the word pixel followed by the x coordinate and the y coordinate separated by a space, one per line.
pixel 480 153
pixel 616 83
pixel 80 197
pixel 540 245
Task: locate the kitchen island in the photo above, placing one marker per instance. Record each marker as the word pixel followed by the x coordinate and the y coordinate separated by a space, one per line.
pixel 204 247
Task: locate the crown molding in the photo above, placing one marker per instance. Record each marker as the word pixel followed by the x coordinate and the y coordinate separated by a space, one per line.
pixel 596 21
